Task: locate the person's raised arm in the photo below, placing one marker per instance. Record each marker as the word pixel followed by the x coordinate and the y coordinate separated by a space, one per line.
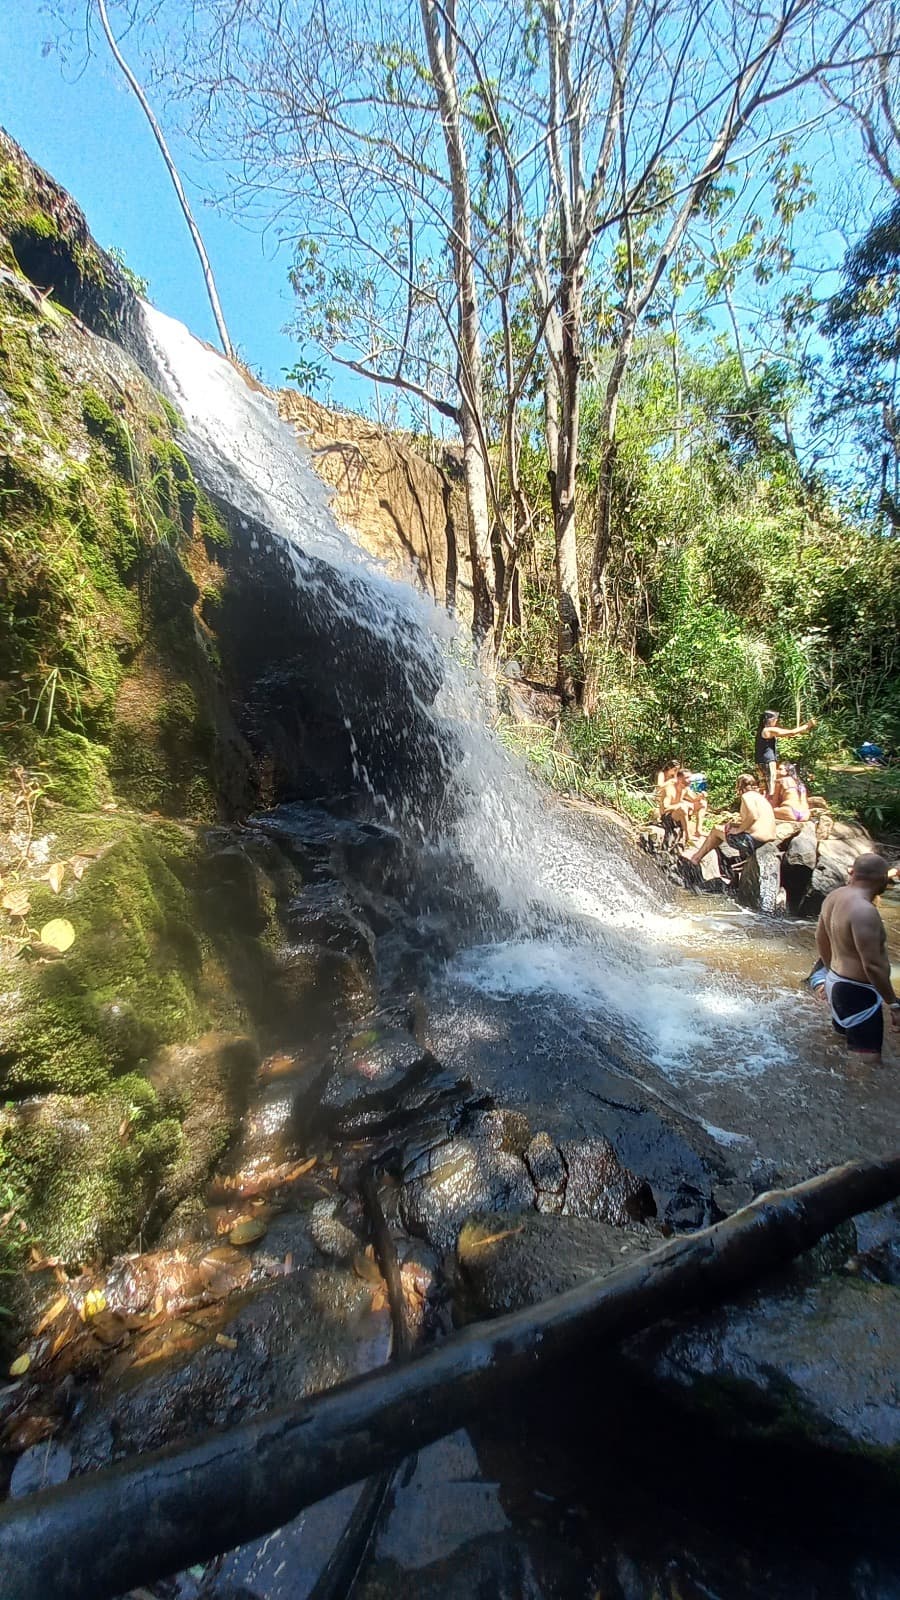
pixel 791 733
pixel 868 937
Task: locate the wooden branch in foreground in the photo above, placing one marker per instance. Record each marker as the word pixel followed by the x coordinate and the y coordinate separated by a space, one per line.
pixel 143 1518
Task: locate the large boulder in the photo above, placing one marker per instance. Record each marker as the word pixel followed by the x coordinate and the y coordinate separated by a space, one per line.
pixel 811 1359
pixel 834 858
pixel 759 880
pixel 814 1364
pixel 798 864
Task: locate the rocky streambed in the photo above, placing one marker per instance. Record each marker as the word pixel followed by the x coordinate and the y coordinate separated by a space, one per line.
pixel 403 1161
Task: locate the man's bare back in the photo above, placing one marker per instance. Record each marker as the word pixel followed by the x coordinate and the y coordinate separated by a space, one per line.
pixel 851 941
pixel 757 817
pixel 853 932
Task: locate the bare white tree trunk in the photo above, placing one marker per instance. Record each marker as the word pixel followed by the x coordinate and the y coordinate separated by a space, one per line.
pixel 441 44
pixel 177 184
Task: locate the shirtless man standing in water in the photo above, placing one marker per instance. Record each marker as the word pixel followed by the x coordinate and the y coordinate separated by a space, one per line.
pixel 851 941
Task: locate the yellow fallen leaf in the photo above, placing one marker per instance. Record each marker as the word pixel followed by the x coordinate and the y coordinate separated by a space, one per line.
pixel 226 1342
pixel 16 902
pixel 59 933
pixel 55 875
pixel 20 1366
pixel 94 1302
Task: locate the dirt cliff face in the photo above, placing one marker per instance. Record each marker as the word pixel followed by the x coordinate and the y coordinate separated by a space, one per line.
pixel 407 511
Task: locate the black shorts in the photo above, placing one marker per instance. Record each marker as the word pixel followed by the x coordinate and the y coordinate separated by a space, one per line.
pixel 743 844
pixel 847 998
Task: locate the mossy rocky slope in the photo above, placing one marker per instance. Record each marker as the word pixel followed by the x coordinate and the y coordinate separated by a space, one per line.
pixel 114 715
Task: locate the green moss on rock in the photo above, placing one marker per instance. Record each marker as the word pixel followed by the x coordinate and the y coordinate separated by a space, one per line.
pixel 109 430
pixel 84 1168
pixel 134 949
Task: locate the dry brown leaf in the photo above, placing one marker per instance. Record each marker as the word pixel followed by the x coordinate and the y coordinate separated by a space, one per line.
pixel 55 875
pixel 226 1341
pixel 62 1339
pixel 78 865
pixel 44 952
pixel 110 805
pixel 56 1310
pixel 16 902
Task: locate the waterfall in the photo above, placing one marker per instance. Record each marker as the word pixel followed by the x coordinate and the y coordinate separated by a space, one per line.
pixel 581 924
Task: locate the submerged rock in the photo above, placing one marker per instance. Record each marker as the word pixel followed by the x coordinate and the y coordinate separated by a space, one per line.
pixel 509 1260
pixel 298 1335
pixel 548 1172
pixel 815 1365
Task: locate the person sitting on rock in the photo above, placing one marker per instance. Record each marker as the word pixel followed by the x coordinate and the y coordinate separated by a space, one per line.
pixel 754 826
pixel 675 801
pixel 766 747
pixel 664 778
pixel 791 801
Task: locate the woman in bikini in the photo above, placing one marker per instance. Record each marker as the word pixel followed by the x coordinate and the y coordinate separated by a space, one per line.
pixel 790 800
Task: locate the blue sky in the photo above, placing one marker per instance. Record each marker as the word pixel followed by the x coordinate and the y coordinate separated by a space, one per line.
pixel 90 134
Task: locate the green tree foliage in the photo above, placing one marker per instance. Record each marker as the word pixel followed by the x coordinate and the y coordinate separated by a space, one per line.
pixel 736 582
pixel 863 321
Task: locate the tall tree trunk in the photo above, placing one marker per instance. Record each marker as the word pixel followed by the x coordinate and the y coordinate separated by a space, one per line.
pixel 570 668
pixel 159 136
pixel 603 512
pixel 441 44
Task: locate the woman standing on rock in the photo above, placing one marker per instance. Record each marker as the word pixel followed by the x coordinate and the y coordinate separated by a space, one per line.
pixel 766 748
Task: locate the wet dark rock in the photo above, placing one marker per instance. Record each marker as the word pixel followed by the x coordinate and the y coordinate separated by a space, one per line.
pixel 600 1187
pixel 446 1184
pixel 815 1365
pixel 40 1468
pixel 797 865
pixel 330 1234
pixel 377 1069
pixel 500 1129
pixel 759 880
pixel 687 1208
pixel 299 1335
pixel 323 914
pixel 507 1260
pixel 313 987
pixel 438 1094
pixel 548 1172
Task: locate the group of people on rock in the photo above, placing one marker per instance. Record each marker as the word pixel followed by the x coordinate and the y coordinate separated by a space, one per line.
pixel 777 795
pixel 853 971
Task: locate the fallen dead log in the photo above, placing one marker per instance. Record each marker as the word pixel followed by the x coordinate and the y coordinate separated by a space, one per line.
pixel 149 1516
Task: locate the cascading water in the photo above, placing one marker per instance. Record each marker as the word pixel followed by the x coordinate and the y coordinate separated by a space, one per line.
pixel 581 925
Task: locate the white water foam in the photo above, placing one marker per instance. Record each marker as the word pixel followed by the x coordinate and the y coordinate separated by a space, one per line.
pixel 684 1019
pixel 592 932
